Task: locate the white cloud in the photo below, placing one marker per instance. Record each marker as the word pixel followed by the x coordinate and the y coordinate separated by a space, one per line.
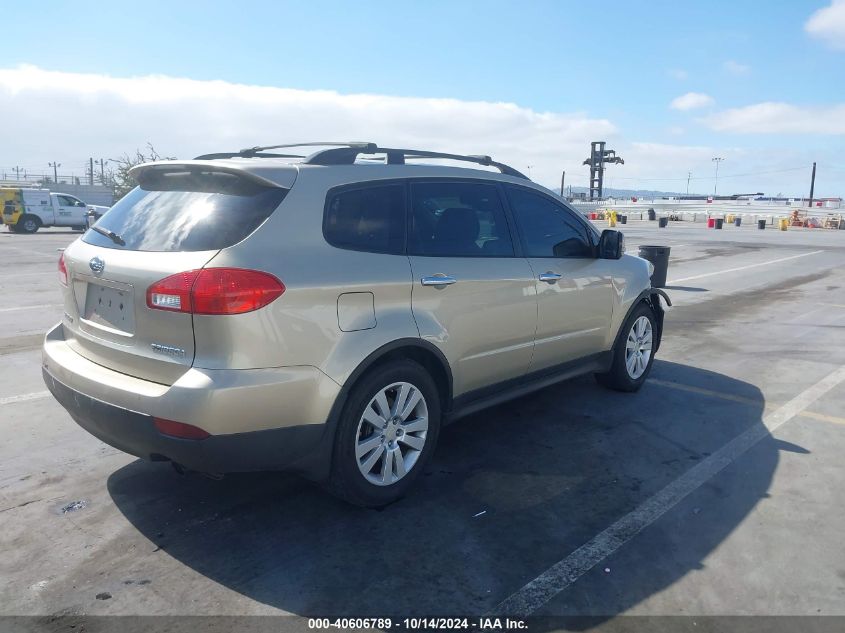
pixel 828 24
pixel 735 68
pixel 678 73
pixel 71 116
pixel 691 101
pixel 779 118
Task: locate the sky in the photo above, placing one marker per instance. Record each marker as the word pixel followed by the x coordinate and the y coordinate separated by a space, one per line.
pixel 669 85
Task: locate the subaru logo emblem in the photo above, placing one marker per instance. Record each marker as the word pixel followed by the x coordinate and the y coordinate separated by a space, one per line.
pixel 97 264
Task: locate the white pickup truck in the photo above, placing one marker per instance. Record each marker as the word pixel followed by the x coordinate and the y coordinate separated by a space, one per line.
pixel 27 210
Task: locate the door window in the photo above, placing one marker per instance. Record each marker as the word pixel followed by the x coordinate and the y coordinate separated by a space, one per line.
pixel 367 219
pixel 548 229
pixel 458 219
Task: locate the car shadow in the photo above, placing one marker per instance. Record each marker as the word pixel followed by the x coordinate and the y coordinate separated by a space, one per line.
pixel 510 491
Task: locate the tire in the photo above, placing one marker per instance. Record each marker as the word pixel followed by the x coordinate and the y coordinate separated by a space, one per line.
pixel 27 224
pixel 630 370
pixel 363 446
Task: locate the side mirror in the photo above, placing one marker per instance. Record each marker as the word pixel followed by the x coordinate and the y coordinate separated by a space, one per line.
pixel 611 244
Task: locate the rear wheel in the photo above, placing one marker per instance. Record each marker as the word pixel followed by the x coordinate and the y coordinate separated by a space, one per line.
pixel 386 434
pixel 27 224
pixel 634 352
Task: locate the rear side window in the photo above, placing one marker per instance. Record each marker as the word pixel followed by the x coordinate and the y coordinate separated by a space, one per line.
pixel 187 210
pixel 458 219
pixel 367 219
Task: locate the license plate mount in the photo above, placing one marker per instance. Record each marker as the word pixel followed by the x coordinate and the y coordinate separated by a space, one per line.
pixel 111 308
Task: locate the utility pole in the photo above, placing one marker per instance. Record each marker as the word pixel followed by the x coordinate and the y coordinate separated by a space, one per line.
pixel 17 171
pixel 102 164
pixel 91 171
pixel 689 175
pixel 55 167
pixel 562 180
pixel 716 160
pixel 812 183
pixel 529 171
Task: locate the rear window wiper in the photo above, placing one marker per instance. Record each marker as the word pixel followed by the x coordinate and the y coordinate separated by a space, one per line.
pixel 114 237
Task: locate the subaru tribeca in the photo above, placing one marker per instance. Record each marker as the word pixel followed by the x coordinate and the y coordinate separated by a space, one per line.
pixel 328 315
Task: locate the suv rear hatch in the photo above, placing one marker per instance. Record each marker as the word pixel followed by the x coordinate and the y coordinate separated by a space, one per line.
pixel 129 294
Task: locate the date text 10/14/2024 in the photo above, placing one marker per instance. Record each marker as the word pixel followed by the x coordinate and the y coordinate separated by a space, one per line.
pixel 386 624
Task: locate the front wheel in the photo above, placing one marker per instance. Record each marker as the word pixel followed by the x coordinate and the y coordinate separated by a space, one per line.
pixel 386 434
pixel 633 355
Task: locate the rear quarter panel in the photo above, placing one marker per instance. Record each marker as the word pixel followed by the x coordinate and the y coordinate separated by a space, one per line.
pixel 301 327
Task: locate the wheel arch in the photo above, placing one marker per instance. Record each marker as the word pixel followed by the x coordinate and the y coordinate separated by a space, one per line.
pixel 418 350
pixel 651 298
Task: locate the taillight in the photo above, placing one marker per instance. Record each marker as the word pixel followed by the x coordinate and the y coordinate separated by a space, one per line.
pixel 62 270
pixel 215 291
pixel 180 429
pixel 172 293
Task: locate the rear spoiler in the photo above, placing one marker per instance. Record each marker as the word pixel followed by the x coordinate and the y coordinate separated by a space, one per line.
pixel 146 171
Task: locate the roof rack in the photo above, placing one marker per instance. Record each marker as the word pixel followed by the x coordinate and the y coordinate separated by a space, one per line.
pixel 242 155
pixel 340 153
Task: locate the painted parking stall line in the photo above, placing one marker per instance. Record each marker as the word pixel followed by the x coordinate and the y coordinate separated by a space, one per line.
pixel 36 395
pixel 739 268
pixel 567 571
pixel 36 307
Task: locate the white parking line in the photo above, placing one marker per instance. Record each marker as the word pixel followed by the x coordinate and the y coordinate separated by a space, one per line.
pixel 565 572
pixel 733 270
pixel 29 251
pixel 38 307
pixel 24 397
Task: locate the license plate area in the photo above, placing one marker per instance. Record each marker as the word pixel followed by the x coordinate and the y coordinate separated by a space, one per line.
pixel 110 307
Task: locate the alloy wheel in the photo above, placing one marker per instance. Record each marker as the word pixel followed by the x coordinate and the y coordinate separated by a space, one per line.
pixel 638 347
pixel 391 433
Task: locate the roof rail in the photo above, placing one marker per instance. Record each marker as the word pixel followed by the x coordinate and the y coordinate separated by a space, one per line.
pixel 340 153
pixel 346 155
pixel 258 152
pixel 218 155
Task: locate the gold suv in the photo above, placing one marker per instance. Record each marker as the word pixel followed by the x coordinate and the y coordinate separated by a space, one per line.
pixel 328 314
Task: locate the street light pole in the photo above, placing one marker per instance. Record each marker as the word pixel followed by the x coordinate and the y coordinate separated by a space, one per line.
pixel 689 175
pixel 55 167
pixel 716 160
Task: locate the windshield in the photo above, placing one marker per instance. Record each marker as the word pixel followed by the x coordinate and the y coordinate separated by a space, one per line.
pixel 188 210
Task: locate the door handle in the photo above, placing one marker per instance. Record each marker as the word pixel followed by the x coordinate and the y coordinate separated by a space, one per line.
pixel 549 277
pixel 438 280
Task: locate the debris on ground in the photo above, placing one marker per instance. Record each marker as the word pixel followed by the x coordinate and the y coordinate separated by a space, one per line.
pixel 73 506
pixel 607 570
pixel 479 514
pixel 105 595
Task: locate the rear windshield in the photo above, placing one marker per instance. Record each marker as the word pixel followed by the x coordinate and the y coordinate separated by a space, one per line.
pixel 190 210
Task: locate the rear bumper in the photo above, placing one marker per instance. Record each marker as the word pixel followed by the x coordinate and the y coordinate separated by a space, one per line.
pixel 271 419
pixel 134 433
